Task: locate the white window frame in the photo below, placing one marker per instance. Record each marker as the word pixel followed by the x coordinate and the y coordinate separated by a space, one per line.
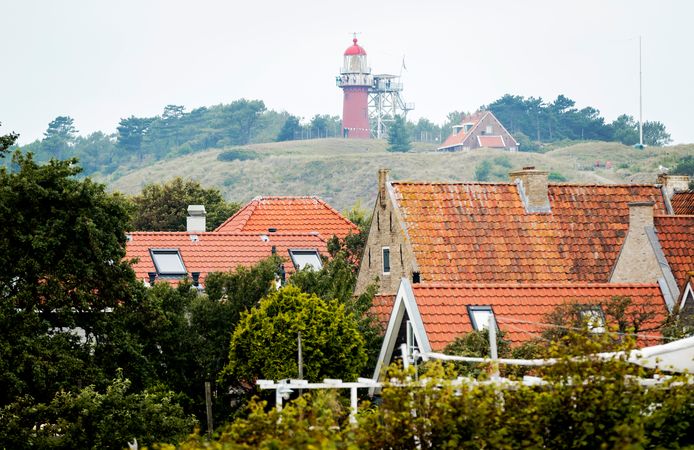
pixel 489 130
pixel 169 251
pixel 472 309
pixel 410 339
pixel 383 260
pixel 594 317
pixel 296 251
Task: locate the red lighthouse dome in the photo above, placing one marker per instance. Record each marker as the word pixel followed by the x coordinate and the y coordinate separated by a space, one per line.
pixel 355 49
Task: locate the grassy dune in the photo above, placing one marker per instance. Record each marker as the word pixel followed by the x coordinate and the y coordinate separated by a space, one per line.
pixel 344 171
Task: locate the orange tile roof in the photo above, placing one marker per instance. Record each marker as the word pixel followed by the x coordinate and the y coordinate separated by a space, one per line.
pixel 459 138
pixel 381 308
pixel 683 202
pixel 676 237
pixel 480 232
pixel 443 308
pixel 289 214
pixel 491 141
pixel 217 252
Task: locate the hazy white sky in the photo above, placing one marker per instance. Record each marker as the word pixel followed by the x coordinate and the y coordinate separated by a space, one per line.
pixel 100 61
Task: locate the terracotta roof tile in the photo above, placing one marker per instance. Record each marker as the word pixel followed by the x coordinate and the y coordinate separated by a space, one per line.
pixel 381 307
pixel 289 214
pixel 215 251
pixel 480 232
pixel 443 308
pixel 683 202
pixel 491 141
pixel 676 237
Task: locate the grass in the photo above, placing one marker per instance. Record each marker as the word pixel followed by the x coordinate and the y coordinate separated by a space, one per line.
pixel 345 171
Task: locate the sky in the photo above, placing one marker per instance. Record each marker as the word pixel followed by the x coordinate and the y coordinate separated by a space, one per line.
pixel 100 61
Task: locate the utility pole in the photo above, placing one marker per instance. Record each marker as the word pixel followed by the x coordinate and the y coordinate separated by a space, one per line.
pixel 640 99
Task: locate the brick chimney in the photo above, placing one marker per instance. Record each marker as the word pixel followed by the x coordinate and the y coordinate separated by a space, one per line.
pixel 382 178
pixel 673 183
pixel 637 262
pixel 196 221
pixel 532 186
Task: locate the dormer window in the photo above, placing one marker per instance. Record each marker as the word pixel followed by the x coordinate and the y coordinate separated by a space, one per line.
pixel 479 316
pixel 467 127
pixel 168 262
pixel 302 258
pixel 594 318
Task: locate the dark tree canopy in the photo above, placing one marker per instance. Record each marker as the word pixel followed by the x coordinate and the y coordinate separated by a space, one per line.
pixel 163 207
pixel 290 129
pixel 398 136
pixel 7 141
pixel 59 137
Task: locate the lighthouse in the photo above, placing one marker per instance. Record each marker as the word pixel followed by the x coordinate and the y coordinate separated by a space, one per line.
pixel 355 80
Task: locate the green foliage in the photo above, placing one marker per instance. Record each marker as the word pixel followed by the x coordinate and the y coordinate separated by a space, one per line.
pixel 59 137
pixel 7 141
pixel 163 207
pixel 476 344
pixel 685 166
pixel 556 176
pixel 398 136
pixel 483 170
pixel 290 130
pixel 264 344
pixel 89 418
pixel 655 134
pixel 237 154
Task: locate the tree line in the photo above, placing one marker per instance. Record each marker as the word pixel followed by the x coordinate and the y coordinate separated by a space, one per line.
pixel 177 132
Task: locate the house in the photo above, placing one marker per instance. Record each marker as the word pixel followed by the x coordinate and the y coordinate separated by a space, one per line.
pixel 524 231
pixel 428 317
pixel 676 188
pixel 481 129
pixel 296 229
pixel 289 214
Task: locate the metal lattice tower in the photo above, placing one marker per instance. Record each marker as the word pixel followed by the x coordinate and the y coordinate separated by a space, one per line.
pixel 386 102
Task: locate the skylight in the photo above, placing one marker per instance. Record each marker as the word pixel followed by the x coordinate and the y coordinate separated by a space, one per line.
pixel 168 261
pixel 479 316
pixel 306 257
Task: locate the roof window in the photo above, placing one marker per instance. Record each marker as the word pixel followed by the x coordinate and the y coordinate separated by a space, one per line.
pixel 479 316
pixel 168 261
pixel 594 318
pixel 305 257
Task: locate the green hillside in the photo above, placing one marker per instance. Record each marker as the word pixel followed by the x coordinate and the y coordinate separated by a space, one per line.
pixel 344 171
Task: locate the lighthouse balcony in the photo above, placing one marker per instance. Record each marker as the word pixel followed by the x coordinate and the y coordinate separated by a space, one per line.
pixel 353 79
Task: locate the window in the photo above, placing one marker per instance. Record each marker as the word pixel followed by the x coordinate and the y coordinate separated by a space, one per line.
pixel 489 130
pixel 306 257
pixel 168 261
pixel 386 260
pixel 479 316
pixel 594 318
pixel 411 341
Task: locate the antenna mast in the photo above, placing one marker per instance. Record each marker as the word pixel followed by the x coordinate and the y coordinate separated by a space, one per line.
pixel 640 99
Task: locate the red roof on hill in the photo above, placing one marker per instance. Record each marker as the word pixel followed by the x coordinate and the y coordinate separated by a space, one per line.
pixel 520 310
pixel 217 252
pixel 683 202
pixel 288 215
pixel 481 232
pixel 676 237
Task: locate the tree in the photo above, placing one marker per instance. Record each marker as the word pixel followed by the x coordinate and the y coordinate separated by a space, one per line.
pixel 625 130
pixel 685 166
pixel 264 344
pixel 398 136
pixel 7 141
pixel 59 136
pixel 163 207
pixel 483 170
pixel 131 132
pixel 655 134
pixel 289 130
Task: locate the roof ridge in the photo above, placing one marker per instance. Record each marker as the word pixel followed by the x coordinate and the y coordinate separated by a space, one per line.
pixel 252 204
pixel 555 285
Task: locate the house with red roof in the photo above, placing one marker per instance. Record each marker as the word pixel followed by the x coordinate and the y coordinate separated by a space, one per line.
pixel 526 237
pixel 296 229
pixel 481 129
pixel 427 317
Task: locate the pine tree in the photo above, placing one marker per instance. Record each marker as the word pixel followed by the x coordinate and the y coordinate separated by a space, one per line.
pixel 398 136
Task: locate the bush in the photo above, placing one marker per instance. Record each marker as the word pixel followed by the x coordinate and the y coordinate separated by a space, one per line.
pixel 483 170
pixel 237 154
pixel 556 176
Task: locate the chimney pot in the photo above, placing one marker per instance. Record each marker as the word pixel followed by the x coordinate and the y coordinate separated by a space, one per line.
pixel 382 179
pixel 196 220
pixel 152 276
pixel 196 278
pixel 533 189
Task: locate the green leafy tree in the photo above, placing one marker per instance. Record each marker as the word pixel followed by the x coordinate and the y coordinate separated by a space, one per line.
pixel 163 207
pixel 685 166
pixel 7 141
pixel 483 171
pixel 59 136
pixel 264 344
pixel 131 132
pixel 290 129
pixel 655 134
pixel 625 130
pixel 398 136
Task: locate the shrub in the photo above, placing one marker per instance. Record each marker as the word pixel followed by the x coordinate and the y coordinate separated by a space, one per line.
pixel 556 176
pixel 237 154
